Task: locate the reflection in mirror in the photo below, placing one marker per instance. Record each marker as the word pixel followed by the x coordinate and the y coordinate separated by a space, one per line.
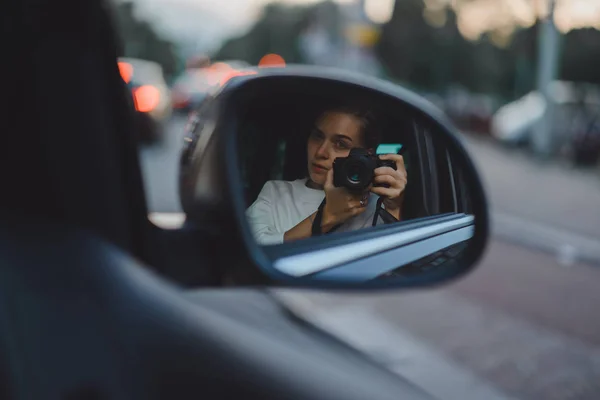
pixel 318 169
pixel 346 179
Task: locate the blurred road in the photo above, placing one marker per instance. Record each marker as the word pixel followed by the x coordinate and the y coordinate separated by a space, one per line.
pixel 551 193
pixel 523 325
pixel 550 206
pixel 160 168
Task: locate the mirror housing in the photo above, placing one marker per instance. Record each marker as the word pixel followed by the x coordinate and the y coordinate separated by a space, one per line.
pixel 212 193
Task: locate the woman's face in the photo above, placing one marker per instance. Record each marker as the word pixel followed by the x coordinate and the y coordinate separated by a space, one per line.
pixel 333 136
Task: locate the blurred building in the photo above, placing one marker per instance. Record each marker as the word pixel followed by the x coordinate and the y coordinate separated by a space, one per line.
pixel 361 35
pixel 341 35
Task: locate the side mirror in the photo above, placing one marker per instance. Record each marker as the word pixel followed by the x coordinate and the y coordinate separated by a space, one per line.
pixel 317 177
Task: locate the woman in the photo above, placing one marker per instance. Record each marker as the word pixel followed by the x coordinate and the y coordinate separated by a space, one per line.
pixel 285 210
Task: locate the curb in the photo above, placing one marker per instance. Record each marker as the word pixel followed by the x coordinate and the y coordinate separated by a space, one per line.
pixel 569 247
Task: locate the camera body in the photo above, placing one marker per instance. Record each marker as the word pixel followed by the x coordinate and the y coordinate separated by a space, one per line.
pixel 356 171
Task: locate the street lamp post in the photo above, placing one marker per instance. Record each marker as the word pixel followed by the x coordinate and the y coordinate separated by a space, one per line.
pixel 543 140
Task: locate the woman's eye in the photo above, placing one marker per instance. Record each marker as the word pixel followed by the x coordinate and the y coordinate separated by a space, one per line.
pixel 342 145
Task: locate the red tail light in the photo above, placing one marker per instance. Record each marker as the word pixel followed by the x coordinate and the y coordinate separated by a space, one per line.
pixel 126 71
pixel 146 98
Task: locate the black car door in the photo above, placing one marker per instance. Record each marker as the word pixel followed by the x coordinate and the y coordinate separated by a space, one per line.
pixel 82 314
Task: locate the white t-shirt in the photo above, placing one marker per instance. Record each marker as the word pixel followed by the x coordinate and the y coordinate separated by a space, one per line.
pixel 281 205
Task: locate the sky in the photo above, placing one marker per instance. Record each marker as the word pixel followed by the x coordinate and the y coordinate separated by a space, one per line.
pixel 202 25
pixel 232 14
pixel 209 22
pixel 476 17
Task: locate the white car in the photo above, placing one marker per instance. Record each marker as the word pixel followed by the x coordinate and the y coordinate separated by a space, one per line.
pixel 513 122
pixel 571 104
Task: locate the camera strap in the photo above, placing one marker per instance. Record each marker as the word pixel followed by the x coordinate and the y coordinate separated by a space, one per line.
pixel 384 214
pixel 377 208
pixel 316 226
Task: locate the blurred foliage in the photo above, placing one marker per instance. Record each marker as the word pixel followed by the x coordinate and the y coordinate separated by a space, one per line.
pixel 140 40
pixel 429 53
pixel 581 56
pixel 275 32
pixel 435 58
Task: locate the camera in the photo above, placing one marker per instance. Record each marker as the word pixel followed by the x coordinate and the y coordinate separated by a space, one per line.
pixel 356 171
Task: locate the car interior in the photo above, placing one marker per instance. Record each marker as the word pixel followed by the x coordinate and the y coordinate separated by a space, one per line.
pixel 273 134
pixel 272 137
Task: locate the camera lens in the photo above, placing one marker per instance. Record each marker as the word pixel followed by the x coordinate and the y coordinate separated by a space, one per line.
pixel 354 172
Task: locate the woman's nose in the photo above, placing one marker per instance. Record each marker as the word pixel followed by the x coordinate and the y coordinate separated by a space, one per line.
pixel 323 151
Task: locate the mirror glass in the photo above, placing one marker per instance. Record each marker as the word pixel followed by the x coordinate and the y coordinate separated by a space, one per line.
pixel 333 186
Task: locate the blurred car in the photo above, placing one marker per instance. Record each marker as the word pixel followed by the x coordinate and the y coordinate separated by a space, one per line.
pixel 470 112
pixel 188 90
pixel 574 120
pixel 584 143
pixel 191 87
pixel 513 123
pixel 150 93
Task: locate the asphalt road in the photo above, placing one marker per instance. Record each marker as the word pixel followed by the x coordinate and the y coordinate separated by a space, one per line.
pixel 160 168
pixel 523 324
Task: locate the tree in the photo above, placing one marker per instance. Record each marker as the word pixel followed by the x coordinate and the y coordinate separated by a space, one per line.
pixel 140 40
pixel 277 31
pixel 581 56
pixel 436 57
pixel 431 56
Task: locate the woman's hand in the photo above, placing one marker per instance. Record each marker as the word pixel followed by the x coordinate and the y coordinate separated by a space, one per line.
pixel 395 179
pixel 340 205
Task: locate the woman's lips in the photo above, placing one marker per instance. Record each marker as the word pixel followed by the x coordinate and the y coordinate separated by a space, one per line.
pixel 318 168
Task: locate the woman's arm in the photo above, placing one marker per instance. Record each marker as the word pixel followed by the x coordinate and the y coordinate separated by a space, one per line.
pixel 304 229
pixel 262 221
pixel 396 213
pixel 340 206
pixel 301 231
